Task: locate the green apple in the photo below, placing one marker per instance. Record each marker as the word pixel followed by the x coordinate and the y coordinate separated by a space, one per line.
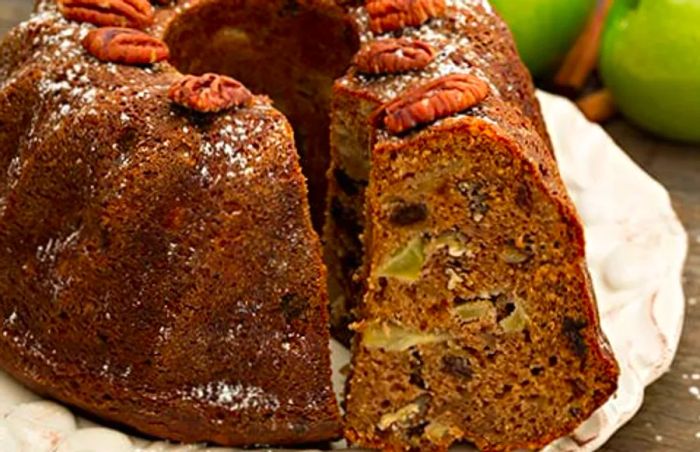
pixel 650 60
pixel 544 29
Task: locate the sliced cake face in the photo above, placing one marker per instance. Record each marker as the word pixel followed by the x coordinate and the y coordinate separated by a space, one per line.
pixel 159 268
pixel 478 323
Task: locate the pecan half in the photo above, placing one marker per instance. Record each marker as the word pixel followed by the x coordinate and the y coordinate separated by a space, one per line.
pixel 124 45
pixel 434 100
pixel 390 56
pixel 109 13
pixel 209 93
pixel 390 15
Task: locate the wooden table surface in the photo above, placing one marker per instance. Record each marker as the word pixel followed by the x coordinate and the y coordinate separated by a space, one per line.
pixel 670 417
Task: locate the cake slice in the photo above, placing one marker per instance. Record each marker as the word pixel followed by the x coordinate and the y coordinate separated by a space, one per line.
pixel 475 319
pixel 479 322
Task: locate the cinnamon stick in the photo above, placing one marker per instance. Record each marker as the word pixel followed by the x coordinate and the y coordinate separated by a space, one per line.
pixel 597 106
pixel 583 56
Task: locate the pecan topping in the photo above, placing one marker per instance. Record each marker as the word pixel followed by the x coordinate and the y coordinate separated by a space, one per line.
pixel 109 13
pixel 124 45
pixel 209 93
pixel 390 15
pixel 434 100
pixel 390 56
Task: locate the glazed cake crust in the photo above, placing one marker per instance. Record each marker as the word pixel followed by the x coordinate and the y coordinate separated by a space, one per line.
pixel 159 268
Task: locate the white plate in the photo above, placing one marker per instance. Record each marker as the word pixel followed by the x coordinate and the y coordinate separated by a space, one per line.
pixel 636 249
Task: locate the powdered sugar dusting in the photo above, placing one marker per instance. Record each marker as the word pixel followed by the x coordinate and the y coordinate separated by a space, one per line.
pixel 233 396
pixel 49 251
pixel 25 340
pixel 463 39
pixel 245 142
pixel 9 322
pixel 484 4
pixel 455 51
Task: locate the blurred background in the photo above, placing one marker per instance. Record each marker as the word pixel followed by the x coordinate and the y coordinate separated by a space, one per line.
pixel 638 58
pixel 634 67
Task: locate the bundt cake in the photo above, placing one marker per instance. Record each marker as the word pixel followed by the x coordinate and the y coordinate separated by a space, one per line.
pixel 159 265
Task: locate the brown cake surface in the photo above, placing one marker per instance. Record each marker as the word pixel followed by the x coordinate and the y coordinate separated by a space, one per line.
pixel 159 267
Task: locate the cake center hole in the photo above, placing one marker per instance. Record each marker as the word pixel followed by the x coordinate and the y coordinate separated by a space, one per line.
pixel 285 50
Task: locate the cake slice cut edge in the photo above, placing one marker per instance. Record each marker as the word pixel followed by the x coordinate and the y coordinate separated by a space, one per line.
pixel 479 322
